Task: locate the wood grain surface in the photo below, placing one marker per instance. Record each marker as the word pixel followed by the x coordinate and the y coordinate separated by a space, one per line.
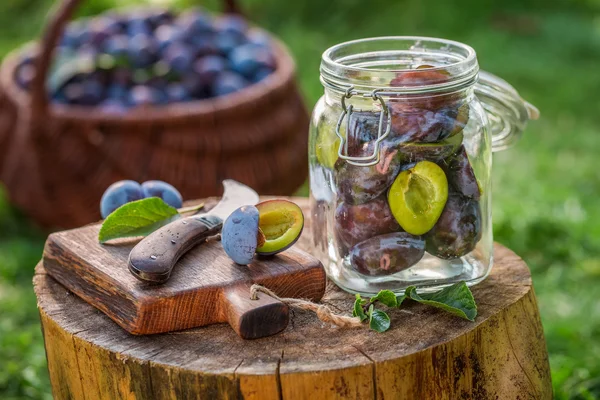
pixel 192 297
pixel 427 354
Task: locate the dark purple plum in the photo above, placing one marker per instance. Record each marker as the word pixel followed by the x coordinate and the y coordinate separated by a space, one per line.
pixel 147 50
pixel 228 82
pixel 117 92
pixel 72 37
pixel 207 68
pixel 261 74
pixel 412 124
pixel 142 50
pixel 143 95
pixel 426 119
pixel 195 22
pixel 176 92
pixel 387 254
pixel 458 229
pixel 160 17
pixel 196 86
pixel 460 174
pixel 138 25
pixel 101 29
pixel 163 190
pixel 260 38
pixel 168 34
pixel 86 93
pixel 117 46
pixel 232 24
pixel 435 152
pixel 248 59
pixel 358 184
pixel 226 42
pixel 113 106
pixel 355 223
pixel 363 131
pixel 118 194
pixel 25 73
pixel 422 75
pixel 87 51
pixel 203 45
pixel 179 57
pixel 122 76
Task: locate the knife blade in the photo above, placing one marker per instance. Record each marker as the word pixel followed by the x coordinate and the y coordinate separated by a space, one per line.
pixel 155 256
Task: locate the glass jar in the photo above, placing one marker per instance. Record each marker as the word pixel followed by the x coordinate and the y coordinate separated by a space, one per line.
pixel 400 159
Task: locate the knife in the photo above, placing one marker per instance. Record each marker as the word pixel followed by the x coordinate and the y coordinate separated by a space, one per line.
pixel 152 259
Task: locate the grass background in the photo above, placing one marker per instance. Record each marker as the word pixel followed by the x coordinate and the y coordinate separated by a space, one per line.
pixel 545 188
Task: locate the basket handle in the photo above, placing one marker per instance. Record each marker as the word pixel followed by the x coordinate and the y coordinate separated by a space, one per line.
pixel 56 24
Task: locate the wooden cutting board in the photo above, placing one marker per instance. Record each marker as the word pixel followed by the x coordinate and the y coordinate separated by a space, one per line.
pixel 206 287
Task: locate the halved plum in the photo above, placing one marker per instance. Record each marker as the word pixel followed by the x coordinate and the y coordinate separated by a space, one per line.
pixel 239 234
pixel 281 222
pixel 387 254
pixel 417 197
pixel 327 143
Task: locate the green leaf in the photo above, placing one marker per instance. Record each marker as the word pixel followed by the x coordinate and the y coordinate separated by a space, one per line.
pixel 138 218
pixel 386 297
pixel 400 300
pixel 378 320
pixel 358 310
pixel 456 299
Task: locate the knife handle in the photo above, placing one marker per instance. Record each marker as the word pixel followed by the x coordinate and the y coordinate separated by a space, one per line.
pixel 153 259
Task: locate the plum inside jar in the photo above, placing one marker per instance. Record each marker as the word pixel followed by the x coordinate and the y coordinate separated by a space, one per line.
pixel 400 157
pixel 421 196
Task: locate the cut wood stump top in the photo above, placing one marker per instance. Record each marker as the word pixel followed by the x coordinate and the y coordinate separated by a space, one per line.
pixel 426 354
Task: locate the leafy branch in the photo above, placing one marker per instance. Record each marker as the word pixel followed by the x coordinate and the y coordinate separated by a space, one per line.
pixel 456 299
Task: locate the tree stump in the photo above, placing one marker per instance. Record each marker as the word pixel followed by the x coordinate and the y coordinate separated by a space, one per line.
pixel 426 354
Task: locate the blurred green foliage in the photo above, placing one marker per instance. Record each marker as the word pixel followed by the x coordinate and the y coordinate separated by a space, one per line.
pixel 545 188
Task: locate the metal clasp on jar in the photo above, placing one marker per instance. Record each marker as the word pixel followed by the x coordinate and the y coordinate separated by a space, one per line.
pixel 347 111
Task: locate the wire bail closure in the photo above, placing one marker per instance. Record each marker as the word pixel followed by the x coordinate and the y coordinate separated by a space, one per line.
pixel 347 111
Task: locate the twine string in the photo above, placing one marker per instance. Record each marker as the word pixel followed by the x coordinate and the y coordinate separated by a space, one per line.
pixel 324 313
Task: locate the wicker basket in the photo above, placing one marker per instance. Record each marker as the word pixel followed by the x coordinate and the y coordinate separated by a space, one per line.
pixel 58 160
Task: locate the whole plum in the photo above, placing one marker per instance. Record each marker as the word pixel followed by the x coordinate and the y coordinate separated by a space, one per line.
pixel 119 193
pixel 460 174
pixel 387 254
pixel 426 118
pixel 179 57
pixel 195 22
pixel 363 129
pixel 414 124
pixel 163 190
pixel 142 50
pixel 247 59
pixel 232 24
pixel 359 184
pixel 355 223
pixel 435 152
pixel 207 68
pixel 228 82
pixel 177 92
pixel 117 46
pixel 458 229
pixel 168 34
